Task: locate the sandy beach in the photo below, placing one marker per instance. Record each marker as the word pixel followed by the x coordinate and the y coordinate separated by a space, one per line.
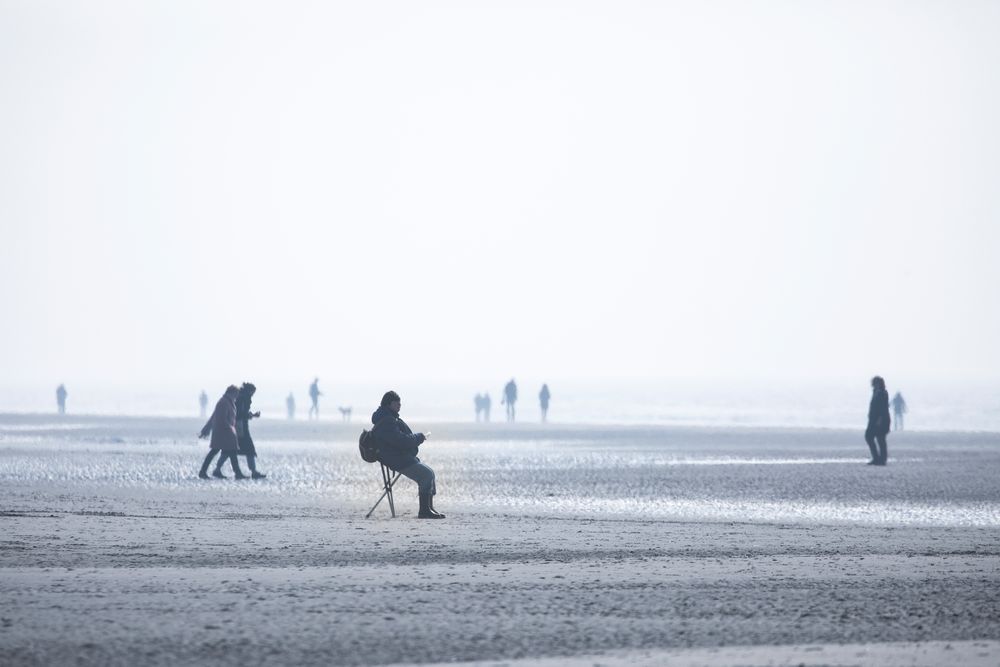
pixel 563 545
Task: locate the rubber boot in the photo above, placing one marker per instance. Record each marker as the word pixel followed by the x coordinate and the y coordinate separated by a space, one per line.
pixel 425 508
pixel 430 506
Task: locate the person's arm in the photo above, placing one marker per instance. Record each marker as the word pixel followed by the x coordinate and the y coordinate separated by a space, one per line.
pixel 207 428
pixel 391 435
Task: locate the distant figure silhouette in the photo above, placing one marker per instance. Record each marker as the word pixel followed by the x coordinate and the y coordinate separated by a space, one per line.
pixel 61 395
pixel 290 405
pixel 345 413
pixel 314 394
pixel 222 426
pixel 479 406
pixel 543 400
pixel 878 423
pixel 203 402
pixel 898 409
pixel 510 398
pixel 487 403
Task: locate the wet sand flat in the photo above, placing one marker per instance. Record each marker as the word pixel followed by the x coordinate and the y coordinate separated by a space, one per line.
pixel 111 552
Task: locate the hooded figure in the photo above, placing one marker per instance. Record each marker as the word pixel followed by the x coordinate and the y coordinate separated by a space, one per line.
pixel 222 426
pixel 398 451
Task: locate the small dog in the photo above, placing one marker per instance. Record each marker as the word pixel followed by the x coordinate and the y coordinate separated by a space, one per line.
pixel 345 413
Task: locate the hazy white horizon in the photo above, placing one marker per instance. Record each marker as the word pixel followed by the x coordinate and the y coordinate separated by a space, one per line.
pixel 457 193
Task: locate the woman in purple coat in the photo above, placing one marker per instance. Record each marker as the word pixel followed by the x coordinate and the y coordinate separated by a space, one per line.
pixel 222 426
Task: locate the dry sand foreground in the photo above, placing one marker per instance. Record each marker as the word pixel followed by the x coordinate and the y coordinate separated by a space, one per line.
pixel 261 589
pixel 560 545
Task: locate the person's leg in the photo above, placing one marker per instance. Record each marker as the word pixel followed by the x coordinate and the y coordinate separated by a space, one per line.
pixel 235 462
pixel 424 477
pixel 207 462
pixel 883 445
pixel 870 439
pixel 252 464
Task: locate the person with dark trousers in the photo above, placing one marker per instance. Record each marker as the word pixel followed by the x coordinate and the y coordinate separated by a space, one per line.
pixel 398 451
pixel 543 399
pixel 243 417
pixel 878 423
pixel 222 426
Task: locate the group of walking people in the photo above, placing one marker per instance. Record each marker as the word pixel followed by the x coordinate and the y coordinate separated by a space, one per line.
pixel 229 427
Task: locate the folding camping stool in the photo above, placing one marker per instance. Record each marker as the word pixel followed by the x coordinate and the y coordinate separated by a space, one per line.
pixel 388 479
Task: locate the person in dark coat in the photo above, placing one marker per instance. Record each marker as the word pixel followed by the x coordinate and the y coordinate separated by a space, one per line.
pixel 243 417
pixel 878 423
pixel 398 446
pixel 222 426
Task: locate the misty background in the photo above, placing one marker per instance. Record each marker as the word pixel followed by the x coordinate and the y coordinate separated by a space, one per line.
pixel 654 207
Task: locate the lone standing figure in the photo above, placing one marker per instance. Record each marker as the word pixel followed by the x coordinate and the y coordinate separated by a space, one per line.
pixel 878 423
pixel 61 395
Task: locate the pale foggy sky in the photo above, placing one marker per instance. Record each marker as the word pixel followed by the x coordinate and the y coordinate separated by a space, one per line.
pixel 407 191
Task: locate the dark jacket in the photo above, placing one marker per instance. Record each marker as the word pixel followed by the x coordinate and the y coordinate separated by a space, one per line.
pixel 397 443
pixel 243 418
pixel 222 425
pixel 878 412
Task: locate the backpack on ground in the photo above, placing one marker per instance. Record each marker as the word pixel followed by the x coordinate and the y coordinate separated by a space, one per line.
pixel 368 446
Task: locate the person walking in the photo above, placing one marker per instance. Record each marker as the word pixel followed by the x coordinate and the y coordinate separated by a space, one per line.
pixel 243 439
pixel 898 409
pixel 314 394
pixel 203 403
pixel 878 423
pixel 487 404
pixel 543 400
pixel 510 398
pixel 398 451
pixel 290 405
pixel 222 426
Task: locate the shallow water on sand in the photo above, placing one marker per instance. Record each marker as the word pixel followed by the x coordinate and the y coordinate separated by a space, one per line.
pixel 722 474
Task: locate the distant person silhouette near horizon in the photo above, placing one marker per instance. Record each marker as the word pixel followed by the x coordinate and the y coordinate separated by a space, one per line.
pixel 314 394
pixel 878 423
pixel 203 403
pixel 543 399
pixel 61 395
pixel 478 400
pixel 510 398
pixel 487 403
pixel 290 405
pixel 898 409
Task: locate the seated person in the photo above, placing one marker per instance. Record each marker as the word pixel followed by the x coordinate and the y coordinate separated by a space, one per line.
pixel 398 451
